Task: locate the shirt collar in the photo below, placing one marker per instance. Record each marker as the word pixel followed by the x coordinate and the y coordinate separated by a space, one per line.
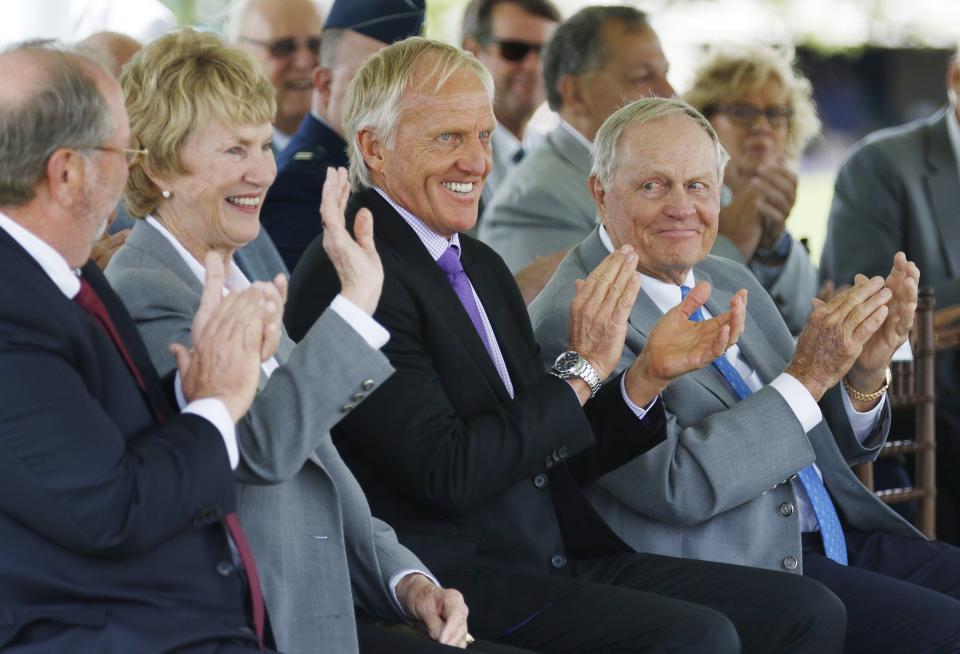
pixel 280 139
pixel 235 278
pixel 665 295
pixel 580 138
pixel 49 260
pixel 435 243
pixel 505 144
pixel 953 131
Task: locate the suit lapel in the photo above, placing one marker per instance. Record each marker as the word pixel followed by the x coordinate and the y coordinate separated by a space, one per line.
pixel 130 337
pixel 404 246
pixel 570 149
pixel 152 244
pixel 941 184
pixel 753 344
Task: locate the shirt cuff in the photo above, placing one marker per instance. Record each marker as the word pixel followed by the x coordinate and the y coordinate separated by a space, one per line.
pixel 371 331
pixel 216 412
pixel 639 411
pixel 798 398
pixel 397 577
pixel 863 423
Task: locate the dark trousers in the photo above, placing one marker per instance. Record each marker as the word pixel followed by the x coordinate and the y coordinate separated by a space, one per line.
pixel 902 594
pixel 650 603
pixel 380 640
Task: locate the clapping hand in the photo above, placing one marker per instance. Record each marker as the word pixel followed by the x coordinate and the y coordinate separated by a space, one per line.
pixel 231 336
pixel 678 345
pixel 599 313
pixel 356 261
pixel 867 374
pixel 836 334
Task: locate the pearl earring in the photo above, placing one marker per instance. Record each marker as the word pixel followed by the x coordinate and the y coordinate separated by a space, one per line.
pixel 165 194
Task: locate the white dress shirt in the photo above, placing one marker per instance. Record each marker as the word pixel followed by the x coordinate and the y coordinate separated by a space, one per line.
pixel 666 296
pixel 66 279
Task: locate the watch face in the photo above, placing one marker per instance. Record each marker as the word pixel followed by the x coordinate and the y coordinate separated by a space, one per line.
pixel 566 362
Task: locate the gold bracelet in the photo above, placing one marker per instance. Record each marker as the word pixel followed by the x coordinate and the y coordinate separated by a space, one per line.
pixel 869 397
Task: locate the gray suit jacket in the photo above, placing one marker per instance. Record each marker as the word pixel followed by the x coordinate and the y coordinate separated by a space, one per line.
pixel 722 485
pixel 544 205
pixel 898 190
pixel 310 526
pixel 792 290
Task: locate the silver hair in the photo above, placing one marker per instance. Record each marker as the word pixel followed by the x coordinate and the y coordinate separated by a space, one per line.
pixel 374 98
pixel 606 154
pixel 66 109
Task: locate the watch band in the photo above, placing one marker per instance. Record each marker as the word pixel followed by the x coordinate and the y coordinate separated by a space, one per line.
pixel 563 369
pixel 860 396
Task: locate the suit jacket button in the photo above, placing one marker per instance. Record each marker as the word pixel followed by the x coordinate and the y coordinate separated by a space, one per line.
pixel 348 407
pixel 786 509
pixel 368 385
pixel 563 452
pixel 356 397
pixel 540 480
pixel 548 462
pixel 556 457
pixel 558 561
pixel 225 568
pixel 790 563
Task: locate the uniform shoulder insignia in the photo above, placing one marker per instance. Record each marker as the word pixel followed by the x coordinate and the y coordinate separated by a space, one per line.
pixel 306 155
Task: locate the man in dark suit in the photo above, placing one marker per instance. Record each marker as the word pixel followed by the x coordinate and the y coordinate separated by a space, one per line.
pixel 899 187
pixel 353 31
pixel 113 507
pixel 471 450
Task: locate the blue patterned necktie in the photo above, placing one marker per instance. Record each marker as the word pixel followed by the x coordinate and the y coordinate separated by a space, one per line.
pixel 834 544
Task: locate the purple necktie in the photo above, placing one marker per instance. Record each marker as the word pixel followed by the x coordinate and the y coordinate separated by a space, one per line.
pixel 449 263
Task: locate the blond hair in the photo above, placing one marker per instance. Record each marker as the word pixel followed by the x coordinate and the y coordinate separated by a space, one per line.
pixel 182 80
pixel 730 72
pixel 374 97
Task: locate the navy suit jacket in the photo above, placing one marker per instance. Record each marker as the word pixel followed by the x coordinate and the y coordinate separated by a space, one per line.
pixel 291 211
pixel 110 534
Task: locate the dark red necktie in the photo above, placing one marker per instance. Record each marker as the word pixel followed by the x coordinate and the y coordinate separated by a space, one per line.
pixel 90 302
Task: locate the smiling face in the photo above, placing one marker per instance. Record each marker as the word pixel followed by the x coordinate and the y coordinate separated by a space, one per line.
pixel 664 198
pixel 441 154
pixel 759 142
pixel 215 205
pixel 635 67
pixel 291 74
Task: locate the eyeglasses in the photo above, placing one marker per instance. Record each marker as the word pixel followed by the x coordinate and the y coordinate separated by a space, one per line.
pixel 516 50
pixel 129 154
pixel 745 113
pixel 283 48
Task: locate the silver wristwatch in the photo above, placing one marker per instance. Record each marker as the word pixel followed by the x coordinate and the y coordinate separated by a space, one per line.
pixel 571 364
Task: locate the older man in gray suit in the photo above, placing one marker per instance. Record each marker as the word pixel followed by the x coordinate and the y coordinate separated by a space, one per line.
pixel 755 468
pixel 899 189
pixel 597 59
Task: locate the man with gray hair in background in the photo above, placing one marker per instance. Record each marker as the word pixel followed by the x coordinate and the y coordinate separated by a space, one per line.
pixel 473 452
pixel 598 59
pixel 755 469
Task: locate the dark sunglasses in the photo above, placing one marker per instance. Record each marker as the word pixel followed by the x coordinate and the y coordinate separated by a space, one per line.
pixel 282 48
pixel 745 113
pixel 516 50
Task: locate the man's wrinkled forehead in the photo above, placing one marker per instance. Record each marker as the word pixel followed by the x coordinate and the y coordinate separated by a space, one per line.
pixel 434 86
